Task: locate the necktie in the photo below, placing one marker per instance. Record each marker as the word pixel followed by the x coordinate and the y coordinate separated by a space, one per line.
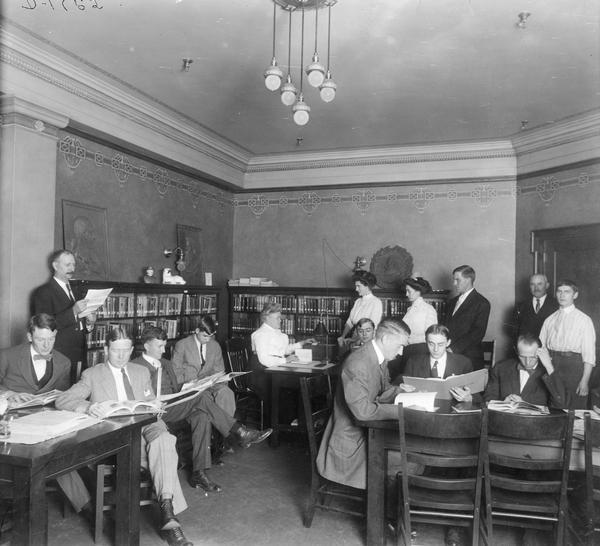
pixel 202 359
pixel 47 358
pixel 537 305
pixel 71 297
pixel 434 370
pixel 127 385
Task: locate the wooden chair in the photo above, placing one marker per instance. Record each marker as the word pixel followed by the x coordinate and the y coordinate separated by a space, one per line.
pixel 322 491
pixel 238 359
pixel 434 485
pixel 105 495
pixel 592 480
pixel 489 353
pixel 526 491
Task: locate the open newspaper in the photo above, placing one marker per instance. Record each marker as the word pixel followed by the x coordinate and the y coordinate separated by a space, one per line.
pixel 522 407
pixel 194 388
pixel 38 400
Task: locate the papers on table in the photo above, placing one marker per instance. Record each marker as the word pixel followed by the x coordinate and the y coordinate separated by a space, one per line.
pixel 476 381
pixel 94 298
pixel 522 407
pixel 416 400
pixel 39 400
pixel 44 425
pixel 304 355
pixel 303 366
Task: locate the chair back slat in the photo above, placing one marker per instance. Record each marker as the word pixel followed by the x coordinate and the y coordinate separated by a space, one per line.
pixel 527 427
pixel 443 461
pixel 441 425
pixel 449 484
pixel 533 486
pixel 526 462
pixel 236 350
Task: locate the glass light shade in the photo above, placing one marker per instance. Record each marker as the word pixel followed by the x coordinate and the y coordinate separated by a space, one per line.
pixel 288 92
pixel 327 89
pixel 315 72
pixel 273 76
pixel 301 112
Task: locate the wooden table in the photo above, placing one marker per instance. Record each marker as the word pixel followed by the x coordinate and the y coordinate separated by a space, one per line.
pixel 382 436
pixel 277 373
pixel 29 466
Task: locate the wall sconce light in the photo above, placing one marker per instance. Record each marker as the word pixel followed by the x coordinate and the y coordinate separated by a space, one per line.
pixel 359 263
pixel 179 257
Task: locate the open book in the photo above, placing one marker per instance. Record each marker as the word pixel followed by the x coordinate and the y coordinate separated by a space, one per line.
pixel 39 400
pixel 476 381
pixel 524 408
pixel 118 408
pixel 194 388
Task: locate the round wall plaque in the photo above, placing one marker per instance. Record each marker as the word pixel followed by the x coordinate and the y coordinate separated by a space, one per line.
pixel 391 265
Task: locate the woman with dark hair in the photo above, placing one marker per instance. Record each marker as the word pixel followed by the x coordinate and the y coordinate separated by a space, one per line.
pixel 420 315
pixel 366 306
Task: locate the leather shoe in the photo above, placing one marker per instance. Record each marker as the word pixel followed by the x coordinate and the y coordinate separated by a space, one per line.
pixel 175 537
pixel 167 516
pixel 247 437
pixel 200 479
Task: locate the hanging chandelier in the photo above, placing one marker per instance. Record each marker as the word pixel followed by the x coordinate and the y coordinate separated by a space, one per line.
pixel 316 74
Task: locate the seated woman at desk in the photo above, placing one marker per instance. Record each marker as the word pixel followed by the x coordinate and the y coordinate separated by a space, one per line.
pixel 367 305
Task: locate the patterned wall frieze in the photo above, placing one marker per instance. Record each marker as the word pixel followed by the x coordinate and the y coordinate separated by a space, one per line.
pixel 124 168
pixel 482 194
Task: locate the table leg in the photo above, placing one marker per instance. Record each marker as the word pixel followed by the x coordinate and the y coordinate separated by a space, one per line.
pixel 274 440
pixel 127 510
pixel 30 525
pixel 375 488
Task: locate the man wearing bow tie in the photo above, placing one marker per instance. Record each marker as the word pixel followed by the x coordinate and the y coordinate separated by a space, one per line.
pixel 56 298
pixel 35 368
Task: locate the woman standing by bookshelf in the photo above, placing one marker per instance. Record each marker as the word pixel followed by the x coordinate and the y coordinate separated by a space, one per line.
pixel 366 306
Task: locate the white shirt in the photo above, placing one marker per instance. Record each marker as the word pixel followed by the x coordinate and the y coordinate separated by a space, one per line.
pixel 441 367
pixel 419 316
pixel 39 366
pixel 201 349
pixel 461 299
pixel 380 357
pixel 118 375
pixel 271 345
pixel 368 306
pixel 523 378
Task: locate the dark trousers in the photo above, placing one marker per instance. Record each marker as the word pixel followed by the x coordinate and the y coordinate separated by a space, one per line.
pixel 569 367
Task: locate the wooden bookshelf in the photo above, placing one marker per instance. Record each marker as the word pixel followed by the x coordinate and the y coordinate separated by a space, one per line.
pixel 303 308
pixel 175 308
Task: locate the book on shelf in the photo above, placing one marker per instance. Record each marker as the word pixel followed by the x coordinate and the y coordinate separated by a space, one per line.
pixel 38 400
pixel 119 408
pixel 476 381
pixel 522 407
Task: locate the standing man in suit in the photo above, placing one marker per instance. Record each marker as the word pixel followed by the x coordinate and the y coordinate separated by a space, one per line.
pixel 119 379
pixel 201 412
pixel 438 362
pixel 35 368
pixel 531 313
pixel 56 298
pixel 200 355
pixel 365 393
pixel 467 317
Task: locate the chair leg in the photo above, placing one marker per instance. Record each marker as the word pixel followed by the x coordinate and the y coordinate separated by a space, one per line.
pixel 99 503
pixel 312 501
pixel 262 415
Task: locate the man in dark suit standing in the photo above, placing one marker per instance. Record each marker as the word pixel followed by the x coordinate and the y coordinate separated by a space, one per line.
pixel 467 317
pixel 531 313
pixel 36 368
pixel 56 298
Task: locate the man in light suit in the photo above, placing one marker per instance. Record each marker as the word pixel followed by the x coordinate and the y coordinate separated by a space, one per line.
pixel 198 356
pixel 531 313
pixel 56 298
pixel 365 393
pixel 119 379
pixel 35 368
pixel 467 317
pixel 201 412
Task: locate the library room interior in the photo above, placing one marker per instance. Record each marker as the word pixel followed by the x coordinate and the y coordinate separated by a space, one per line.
pixel 299 271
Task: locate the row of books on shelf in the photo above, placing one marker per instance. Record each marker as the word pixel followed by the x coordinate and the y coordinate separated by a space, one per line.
pixel 199 303
pixel 256 302
pixel 162 304
pixel 97 337
pixel 306 324
pixel 322 305
pixel 117 305
pixel 244 324
pixel 397 307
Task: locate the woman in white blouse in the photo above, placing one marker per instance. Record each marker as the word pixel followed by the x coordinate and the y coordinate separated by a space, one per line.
pixel 366 306
pixel 419 316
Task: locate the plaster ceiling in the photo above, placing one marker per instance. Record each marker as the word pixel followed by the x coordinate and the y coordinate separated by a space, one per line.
pixel 408 71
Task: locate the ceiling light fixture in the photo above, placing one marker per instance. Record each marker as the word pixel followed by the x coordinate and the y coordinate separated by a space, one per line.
pixel 301 110
pixel 522 22
pixel 316 74
pixel 288 89
pixel 273 74
pixel 186 64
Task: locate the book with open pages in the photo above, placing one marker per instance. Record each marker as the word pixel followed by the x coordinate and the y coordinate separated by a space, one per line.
pixel 194 388
pixel 416 400
pixel 476 381
pixel 38 400
pixel 522 407
pixel 119 408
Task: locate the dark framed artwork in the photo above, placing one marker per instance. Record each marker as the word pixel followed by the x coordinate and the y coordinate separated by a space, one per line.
pixel 85 234
pixel 189 239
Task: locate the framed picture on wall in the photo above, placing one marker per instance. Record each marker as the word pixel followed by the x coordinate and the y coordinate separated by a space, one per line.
pixel 189 239
pixel 85 234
